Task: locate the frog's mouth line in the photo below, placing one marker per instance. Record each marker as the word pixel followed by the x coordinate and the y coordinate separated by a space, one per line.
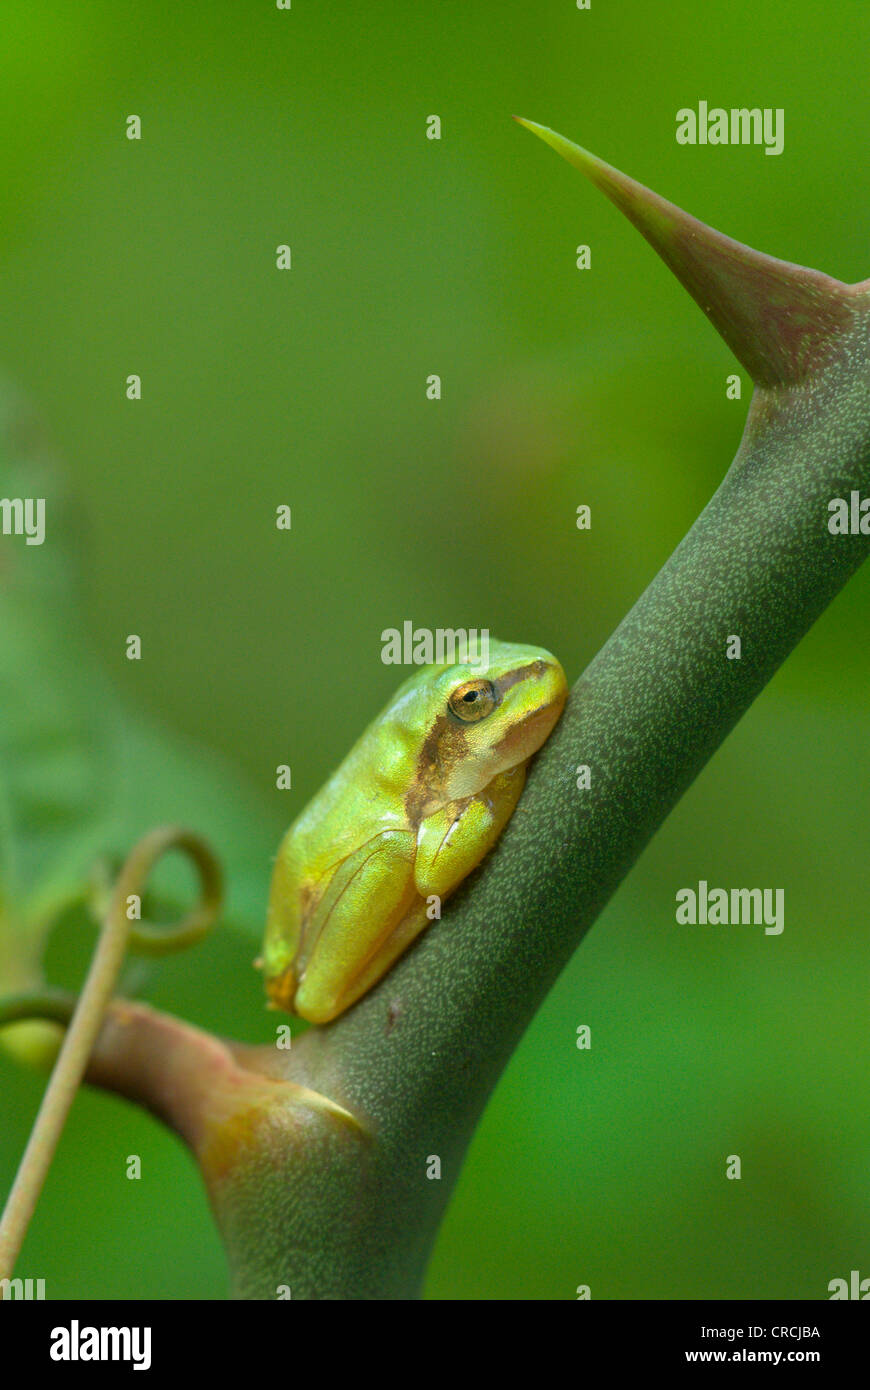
pixel 524 734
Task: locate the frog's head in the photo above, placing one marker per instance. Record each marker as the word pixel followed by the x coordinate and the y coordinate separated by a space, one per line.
pixel 483 720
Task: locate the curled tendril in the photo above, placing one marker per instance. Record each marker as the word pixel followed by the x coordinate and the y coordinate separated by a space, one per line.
pixel 145 938
pixel 85 1015
pixel 53 1005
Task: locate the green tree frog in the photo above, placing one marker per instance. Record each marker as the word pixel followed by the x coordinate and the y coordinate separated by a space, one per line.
pixel 416 804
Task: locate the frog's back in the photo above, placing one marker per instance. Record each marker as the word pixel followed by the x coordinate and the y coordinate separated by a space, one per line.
pixel 365 796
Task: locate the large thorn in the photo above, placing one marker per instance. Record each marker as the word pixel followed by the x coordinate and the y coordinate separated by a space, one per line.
pixel 781 321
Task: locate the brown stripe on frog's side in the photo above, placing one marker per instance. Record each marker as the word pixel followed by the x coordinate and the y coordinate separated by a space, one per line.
pixel 428 790
pixel 446 743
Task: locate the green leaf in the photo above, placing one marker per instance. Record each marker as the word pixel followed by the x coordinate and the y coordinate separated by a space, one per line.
pixel 82 775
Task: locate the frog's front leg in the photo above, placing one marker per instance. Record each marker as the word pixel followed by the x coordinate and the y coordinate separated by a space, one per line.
pixel 453 841
pixel 366 899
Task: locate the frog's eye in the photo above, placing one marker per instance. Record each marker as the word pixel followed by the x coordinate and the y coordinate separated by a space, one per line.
pixel 472 701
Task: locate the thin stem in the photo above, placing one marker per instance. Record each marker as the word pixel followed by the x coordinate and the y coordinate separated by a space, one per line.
pixel 89 1012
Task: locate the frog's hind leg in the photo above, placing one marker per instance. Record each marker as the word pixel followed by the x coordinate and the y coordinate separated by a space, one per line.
pixel 400 937
pixel 349 938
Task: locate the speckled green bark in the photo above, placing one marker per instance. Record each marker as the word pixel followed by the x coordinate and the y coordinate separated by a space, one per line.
pixel 334 1214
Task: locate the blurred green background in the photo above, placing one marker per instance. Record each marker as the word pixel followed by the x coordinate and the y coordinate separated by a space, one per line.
pixel 456 257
